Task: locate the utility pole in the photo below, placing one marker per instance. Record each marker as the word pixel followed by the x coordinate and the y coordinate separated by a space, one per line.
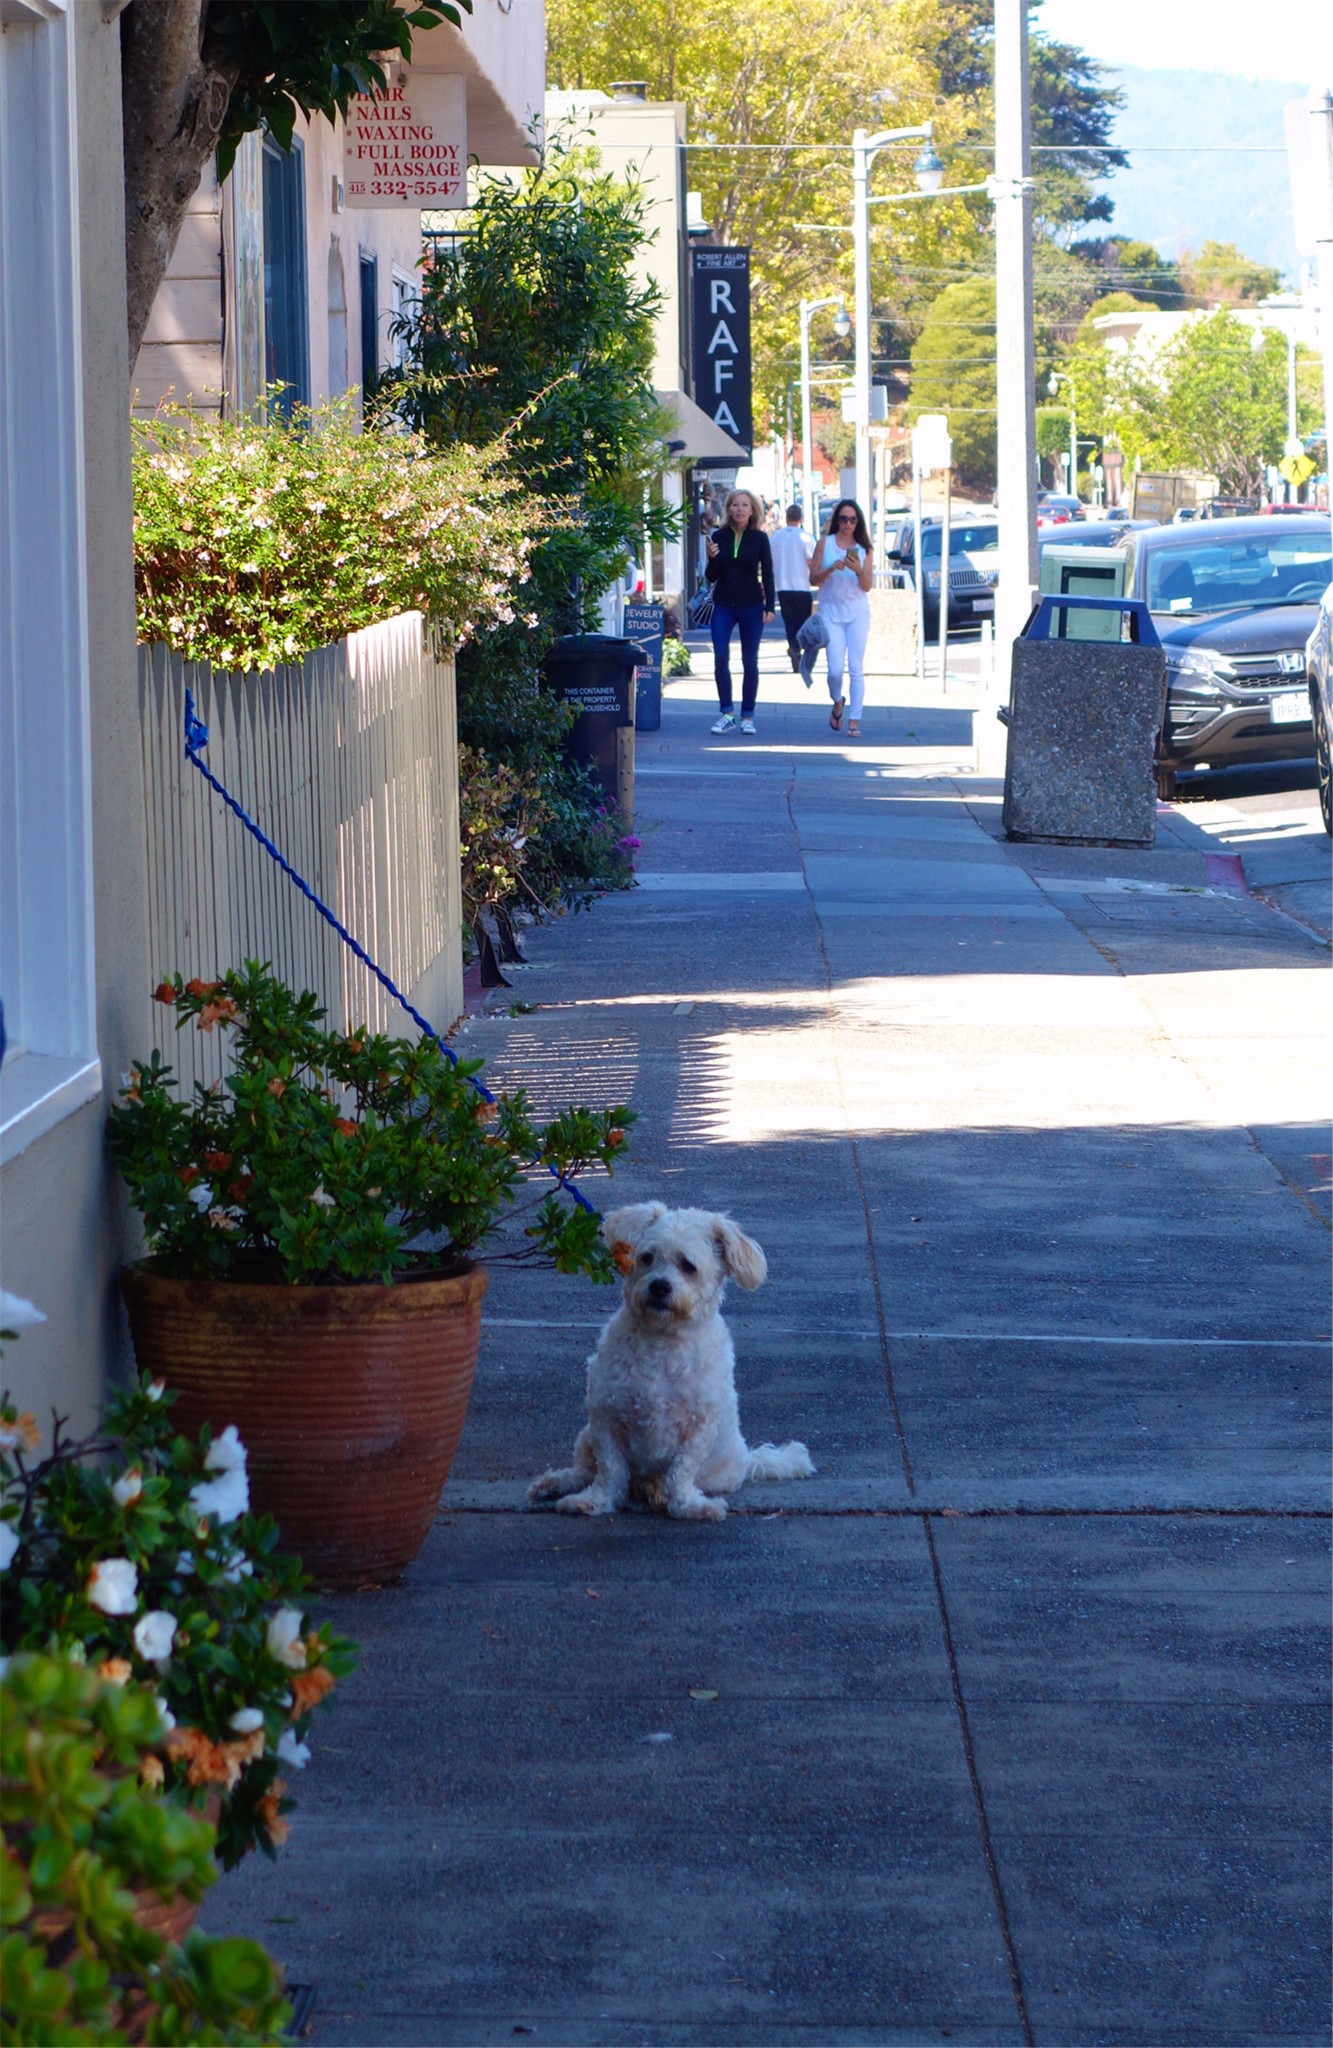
pixel 1015 365
pixel 861 161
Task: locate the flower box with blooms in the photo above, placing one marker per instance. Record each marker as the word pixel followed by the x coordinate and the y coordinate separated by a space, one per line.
pixel 311 1222
pixel 134 1551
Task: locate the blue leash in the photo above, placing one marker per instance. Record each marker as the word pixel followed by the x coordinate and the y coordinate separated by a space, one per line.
pixel 196 739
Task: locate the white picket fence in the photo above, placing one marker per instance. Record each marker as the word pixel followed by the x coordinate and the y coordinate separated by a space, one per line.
pixel 349 762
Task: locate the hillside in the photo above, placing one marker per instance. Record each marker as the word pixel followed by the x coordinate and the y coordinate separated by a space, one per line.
pixel 1174 200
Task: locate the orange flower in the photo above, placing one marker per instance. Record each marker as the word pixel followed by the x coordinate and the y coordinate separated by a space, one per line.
pixel 309 1688
pixel 354 1045
pixel 614 1139
pixel 164 993
pixel 238 1189
pixel 213 1763
pixel 19 1429
pixel 190 1174
pixel 217 1162
pixel 346 1126
pixel 151 1772
pixel 622 1256
pixel 277 1088
pixel 195 987
pixel 211 1012
pixel 115 1671
pixel 267 1812
pixel 485 1113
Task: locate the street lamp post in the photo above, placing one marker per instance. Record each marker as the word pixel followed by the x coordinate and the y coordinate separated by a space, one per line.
pixel 929 177
pixel 1057 378
pixel 1016 434
pixel 841 327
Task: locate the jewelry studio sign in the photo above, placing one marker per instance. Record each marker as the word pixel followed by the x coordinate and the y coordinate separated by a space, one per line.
pixel 720 324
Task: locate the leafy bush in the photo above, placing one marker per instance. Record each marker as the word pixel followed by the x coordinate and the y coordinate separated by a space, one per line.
pixel 256 540
pixel 84 1829
pixel 134 1550
pixel 326 1156
pixel 537 327
pixel 675 659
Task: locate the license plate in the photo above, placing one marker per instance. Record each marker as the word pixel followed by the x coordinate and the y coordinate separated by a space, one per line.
pixel 1289 710
pixel 983 604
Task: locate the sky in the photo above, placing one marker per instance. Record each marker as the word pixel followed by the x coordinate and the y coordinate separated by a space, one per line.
pixel 1288 40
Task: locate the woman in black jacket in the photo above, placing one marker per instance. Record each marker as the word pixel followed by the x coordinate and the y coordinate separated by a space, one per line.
pixel 740 569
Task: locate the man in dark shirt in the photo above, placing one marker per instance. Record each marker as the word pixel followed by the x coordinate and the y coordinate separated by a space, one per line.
pixel 740 569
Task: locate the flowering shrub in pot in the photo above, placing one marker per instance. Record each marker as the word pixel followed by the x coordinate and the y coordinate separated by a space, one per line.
pixel 312 1222
pixel 132 1551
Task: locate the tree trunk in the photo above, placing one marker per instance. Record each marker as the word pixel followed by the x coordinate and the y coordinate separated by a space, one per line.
pixel 174 104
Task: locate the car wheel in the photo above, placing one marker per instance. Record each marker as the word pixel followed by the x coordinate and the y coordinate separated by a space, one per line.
pixel 1324 761
pixel 1166 784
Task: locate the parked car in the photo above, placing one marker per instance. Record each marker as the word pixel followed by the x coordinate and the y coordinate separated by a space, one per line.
pixel 1054 510
pixel 973 551
pixel 1117 515
pixel 1319 677
pixel 1234 606
pixel 1090 533
pixel 1183 514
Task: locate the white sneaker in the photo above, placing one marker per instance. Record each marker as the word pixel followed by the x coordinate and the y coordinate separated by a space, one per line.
pixel 726 723
pixel 749 727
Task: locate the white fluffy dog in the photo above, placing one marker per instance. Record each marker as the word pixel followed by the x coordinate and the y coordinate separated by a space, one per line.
pixel 662 1415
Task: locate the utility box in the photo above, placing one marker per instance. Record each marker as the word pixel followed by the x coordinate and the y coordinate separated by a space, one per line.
pixel 645 623
pixel 1083 722
pixel 594 674
pixel 1084 572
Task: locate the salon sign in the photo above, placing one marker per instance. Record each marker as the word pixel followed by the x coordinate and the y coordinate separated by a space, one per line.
pixel 406 146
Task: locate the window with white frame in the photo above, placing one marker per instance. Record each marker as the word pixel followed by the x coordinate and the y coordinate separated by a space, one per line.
pixel 46 938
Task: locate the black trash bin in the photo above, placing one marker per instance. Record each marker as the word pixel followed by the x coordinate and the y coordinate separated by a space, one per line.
pixel 594 673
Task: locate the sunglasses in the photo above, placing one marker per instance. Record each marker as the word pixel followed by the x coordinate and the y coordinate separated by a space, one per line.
pixel 846 518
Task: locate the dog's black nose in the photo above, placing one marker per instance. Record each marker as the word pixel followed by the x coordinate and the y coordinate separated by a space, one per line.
pixel 659 1290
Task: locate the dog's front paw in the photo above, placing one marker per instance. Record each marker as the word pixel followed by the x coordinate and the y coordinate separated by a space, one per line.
pixel 586 1503
pixel 698 1507
pixel 550 1486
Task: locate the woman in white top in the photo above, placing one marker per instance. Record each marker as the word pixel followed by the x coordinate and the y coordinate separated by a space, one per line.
pixel 842 574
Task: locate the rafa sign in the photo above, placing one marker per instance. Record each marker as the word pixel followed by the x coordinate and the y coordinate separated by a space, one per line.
pixel 720 316
pixel 406 147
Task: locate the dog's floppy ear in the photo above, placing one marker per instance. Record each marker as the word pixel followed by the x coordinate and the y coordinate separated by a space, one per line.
pixel 626 1226
pixel 742 1257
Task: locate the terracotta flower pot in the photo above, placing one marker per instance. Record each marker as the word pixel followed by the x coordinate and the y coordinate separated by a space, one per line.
pixel 349 1400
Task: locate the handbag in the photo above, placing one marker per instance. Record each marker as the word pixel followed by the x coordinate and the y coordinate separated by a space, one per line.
pixel 701 606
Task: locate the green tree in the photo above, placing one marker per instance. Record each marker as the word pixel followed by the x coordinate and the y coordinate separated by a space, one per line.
pixel 1206 402
pixel 1134 269
pixel 953 371
pixel 533 330
pixel 1219 274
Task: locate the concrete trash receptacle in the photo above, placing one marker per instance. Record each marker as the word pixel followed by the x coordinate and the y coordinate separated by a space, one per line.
pixel 594 674
pixel 1084 718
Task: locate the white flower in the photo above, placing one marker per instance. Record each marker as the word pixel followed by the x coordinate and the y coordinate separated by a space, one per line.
pixel 239 1567
pixel 292 1752
pixel 245 1720
pixel 17 1314
pixel 322 1199
pixel 113 1585
pixel 224 1498
pixel 9 1543
pixel 168 1718
pixel 202 1195
pixel 284 1638
pixel 156 1389
pixel 154 1634
pixel 127 1488
pixel 225 1452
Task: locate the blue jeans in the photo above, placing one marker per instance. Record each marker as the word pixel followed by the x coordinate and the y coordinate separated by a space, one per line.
pixel 748 620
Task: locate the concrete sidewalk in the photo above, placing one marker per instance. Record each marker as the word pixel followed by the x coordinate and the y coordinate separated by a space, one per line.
pixel 1010 1726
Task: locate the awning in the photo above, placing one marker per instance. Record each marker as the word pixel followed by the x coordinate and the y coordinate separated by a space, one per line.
pixel 704 440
